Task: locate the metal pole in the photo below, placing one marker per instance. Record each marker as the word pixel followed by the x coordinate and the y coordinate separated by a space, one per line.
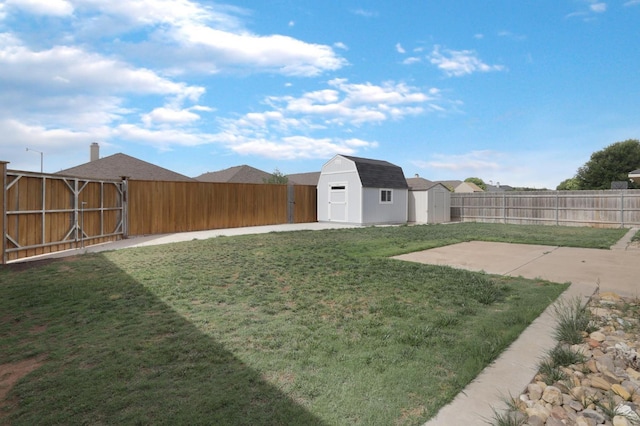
pixel 41 158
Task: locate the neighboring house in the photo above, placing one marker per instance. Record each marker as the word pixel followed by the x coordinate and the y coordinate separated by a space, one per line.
pixel 635 176
pixel 117 166
pixel 310 178
pixel 429 202
pixel 451 185
pixel 498 188
pixel 362 191
pixel 237 174
pixel 468 187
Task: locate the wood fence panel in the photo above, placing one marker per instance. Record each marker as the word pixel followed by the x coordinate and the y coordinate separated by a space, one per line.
pixel 43 213
pixel 613 208
pixel 306 204
pixel 163 207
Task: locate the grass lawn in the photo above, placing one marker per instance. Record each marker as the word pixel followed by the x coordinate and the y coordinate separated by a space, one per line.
pixel 309 327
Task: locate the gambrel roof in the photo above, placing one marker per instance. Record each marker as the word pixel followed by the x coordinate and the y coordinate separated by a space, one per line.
pixel 378 173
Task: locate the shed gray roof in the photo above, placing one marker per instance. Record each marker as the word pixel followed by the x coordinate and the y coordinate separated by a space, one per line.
pixel 420 184
pixel 117 165
pixel 310 178
pixel 237 174
pixel 379 174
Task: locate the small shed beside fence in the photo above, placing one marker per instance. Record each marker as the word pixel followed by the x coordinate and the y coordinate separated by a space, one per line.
pixel 362 191
pixel 429 202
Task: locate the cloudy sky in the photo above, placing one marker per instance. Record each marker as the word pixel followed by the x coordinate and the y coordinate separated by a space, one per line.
pixel 518 92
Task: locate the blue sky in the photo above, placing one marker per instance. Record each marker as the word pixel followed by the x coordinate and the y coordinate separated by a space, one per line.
pixel 520 92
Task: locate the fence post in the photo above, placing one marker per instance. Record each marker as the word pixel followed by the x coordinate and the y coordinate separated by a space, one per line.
pixel 125 206
pixel 291 201
pixel 3 206
pixel 622 207
pixel 504 207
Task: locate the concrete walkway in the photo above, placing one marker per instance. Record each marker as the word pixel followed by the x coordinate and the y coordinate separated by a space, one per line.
pixel 587 270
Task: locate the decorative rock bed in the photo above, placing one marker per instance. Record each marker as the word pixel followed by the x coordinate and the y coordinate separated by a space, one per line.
pixel 605 388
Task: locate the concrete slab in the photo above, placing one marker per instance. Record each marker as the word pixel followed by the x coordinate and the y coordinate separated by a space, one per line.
pixel 492 258
pixel 587 270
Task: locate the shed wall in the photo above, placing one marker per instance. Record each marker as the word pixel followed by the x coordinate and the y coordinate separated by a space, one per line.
pixel 374 212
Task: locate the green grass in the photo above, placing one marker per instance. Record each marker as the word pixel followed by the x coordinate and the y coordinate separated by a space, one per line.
pixel 284 328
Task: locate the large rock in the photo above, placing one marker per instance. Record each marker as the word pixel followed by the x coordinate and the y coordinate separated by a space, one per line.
pixel 624 394
pixel 552 395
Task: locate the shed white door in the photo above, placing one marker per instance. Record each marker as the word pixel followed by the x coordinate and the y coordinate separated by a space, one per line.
pixel 338 202
pixel 439 207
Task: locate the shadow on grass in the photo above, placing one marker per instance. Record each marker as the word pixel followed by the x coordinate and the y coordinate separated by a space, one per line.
pixel 116 354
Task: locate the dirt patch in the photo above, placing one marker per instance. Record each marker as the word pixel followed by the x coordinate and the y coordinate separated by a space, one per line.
pixel 30 264
pixel 11 373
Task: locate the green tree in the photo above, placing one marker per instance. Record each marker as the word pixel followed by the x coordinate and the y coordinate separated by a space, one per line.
pixel 612 163
pixel 570 184
pixel 477 181
pixel 277 177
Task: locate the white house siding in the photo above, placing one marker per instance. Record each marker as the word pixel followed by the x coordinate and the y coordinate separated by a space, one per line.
pixel 374 212
pixel 338 172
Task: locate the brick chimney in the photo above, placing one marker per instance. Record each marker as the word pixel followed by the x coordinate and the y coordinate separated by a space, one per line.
pixel 95 152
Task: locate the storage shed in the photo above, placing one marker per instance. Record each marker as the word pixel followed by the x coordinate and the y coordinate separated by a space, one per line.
pixel 362 191
pixel 429 202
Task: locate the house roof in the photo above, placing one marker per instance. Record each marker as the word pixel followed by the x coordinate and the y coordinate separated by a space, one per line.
pixel 498 188
pixel 237 174
pixel 450 184
pixel 635 176
pixel 310 178
pixel 420 184
pixel 468 185
pixel 118 165
pixel 379 174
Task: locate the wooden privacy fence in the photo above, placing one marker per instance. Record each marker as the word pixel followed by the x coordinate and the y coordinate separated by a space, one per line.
pixel 607 209
pixel 44 213
pixel 158 207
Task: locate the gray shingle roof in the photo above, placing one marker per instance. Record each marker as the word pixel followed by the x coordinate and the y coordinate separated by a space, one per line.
pixel 117 165
pixel 420 184
pixel 237 174
pixel 379 174
pixel 310 178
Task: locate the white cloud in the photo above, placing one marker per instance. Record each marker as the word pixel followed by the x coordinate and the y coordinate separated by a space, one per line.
pixel 289 129
pixel 277 53
pixel 412 60
pixel 206 38
pixel 43 7
pixel 632 3
pixel 171 116
pixel 366 13
pixel 399 48
pixel 300 147
pixel 63 69
pixel 475 161
pixel 593 7
pixel 456 63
